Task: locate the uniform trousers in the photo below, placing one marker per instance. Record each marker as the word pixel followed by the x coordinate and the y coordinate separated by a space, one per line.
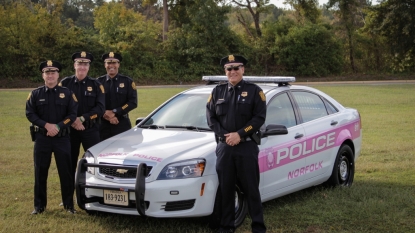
pixel 88 138
pixel 239 165
pixel 61 148
pixel 108 130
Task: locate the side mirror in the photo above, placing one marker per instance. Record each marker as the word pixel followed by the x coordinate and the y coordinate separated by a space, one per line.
pixel 138 120
pixel 272 129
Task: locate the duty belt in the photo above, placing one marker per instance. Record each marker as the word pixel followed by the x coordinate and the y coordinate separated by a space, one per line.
pixel 43 131
pixel 91 123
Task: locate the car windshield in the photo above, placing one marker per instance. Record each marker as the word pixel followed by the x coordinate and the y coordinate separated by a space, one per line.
pixel 184 111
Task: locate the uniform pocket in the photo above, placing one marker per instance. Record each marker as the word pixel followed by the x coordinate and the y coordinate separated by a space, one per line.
pixel 90 98
pixel 221 107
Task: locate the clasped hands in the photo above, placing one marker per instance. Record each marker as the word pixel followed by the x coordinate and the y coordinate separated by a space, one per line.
pixel 232 139
pixel 110 116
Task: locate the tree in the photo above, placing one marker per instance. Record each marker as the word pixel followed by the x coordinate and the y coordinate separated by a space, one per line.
pixel 306 9
pixel 255 8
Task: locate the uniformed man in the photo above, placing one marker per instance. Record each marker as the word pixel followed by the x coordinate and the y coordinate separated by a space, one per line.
pixel 120 97
pixel 52 109
pixel 91 106
pixel 235 111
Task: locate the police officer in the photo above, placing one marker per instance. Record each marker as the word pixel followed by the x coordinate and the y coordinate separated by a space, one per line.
pixel 52 109
pixel 120 97
pixel 91 101
pixel 235 111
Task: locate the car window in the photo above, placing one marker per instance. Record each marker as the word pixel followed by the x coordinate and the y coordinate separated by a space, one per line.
pixel 280 111
pixel 311 106
pixel 183 110
pixel 330 108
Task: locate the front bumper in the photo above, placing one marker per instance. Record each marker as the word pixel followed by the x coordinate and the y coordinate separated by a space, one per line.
pixel 191 197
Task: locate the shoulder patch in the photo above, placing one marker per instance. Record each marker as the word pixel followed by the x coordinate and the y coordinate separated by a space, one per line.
pixel 133 85
pixel 30 94
pixel 262 95
pixel 60 84
pixel 210 98
pixel 74 97
pixel 102 88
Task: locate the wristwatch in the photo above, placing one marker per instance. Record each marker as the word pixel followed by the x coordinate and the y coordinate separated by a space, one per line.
pixel 114 110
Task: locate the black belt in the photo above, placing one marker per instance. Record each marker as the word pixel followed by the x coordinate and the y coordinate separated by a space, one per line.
pixel 43 131
pixel 245 139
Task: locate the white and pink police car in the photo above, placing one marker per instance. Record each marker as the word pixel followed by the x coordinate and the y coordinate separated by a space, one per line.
pixel 165 166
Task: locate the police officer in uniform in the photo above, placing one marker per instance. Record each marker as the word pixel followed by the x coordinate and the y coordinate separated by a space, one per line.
pixel 235 111
pixel 91 106
pixel 52 109
pixel 120 97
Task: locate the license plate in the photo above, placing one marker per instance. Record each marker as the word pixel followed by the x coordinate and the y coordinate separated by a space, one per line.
pixel 115 197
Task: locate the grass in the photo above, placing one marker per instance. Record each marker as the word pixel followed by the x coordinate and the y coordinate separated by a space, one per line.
pixel 382 198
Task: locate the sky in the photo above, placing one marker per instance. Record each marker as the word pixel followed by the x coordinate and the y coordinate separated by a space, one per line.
pixel 279 3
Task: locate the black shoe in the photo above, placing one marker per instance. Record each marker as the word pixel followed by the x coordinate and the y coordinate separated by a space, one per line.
pixel 38 211
pixel 225 230
pixel 70 210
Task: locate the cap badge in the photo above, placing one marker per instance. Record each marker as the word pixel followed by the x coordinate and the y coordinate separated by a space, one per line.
pixel 111 54
pixel 244 94
pixel 231 58
pixel 89 88
pixel 62 95
pixel 49 63
pixel 83 54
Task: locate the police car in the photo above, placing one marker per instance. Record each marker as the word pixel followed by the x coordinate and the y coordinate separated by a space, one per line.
pixel 165 166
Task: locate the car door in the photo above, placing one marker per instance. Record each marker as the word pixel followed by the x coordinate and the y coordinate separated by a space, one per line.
pixel 320 121
pixel 280 158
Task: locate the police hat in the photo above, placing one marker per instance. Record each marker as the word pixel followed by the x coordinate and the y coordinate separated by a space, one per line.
pixel 111 57
pixel 50 65
pixel 233 59
pixel 82 57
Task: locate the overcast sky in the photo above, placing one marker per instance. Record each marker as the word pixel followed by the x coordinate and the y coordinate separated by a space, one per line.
pixel 279 3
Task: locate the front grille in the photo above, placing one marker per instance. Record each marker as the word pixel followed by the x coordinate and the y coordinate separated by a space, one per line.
pixel 122 173
pixel 179 205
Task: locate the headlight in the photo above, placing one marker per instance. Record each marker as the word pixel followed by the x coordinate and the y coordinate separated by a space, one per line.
pixel 90 159
pixel 183 169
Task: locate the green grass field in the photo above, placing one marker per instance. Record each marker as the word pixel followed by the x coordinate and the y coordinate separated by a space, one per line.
pixel 382 198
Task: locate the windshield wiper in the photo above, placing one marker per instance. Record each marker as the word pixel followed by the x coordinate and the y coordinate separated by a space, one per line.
pixel 189 127
pixel 152 126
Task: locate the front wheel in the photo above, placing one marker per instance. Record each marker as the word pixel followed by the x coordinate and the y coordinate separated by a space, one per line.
pixel 241 209
pixel 343 169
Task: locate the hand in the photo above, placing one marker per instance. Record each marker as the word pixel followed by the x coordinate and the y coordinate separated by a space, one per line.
pixel 78 124
pixel 114 120
pixel 232 139
pixel 52 130
pixel 108 115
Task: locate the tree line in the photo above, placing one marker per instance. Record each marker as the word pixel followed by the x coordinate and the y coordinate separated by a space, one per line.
pixel 178 41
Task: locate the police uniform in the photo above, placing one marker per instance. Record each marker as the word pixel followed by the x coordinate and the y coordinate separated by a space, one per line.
pixel 120 98
pixel 91 107
pixel 242 109
pixel 57 106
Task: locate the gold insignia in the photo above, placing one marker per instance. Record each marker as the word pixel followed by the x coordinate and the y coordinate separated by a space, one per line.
pixel 102 89
pixel 83 54
pixel 74 97
pixel 122 171
pixel 121 85
pixel 93 116
pixel 124 107
pixel 262 95
pixel 231 58
pixel 66 121
pixel 248 128
pixel 133 85
pixel 89 88
pixel 49 63
pixel 30 94
pixel 244 94
pixel 111 54
pixel 210 98
pixel 62 95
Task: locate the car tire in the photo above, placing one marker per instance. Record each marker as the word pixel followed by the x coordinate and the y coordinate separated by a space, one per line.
pixel 343 169
pixel 241 209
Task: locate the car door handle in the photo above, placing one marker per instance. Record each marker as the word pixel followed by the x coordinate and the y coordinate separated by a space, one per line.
pixel 299 135
pixel 334 123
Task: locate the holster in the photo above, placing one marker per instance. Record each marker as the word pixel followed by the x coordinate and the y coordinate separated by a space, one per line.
pixel 256 137
pixel 32 132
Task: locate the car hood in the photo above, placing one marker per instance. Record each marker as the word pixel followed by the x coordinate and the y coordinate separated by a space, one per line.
pixel 153 146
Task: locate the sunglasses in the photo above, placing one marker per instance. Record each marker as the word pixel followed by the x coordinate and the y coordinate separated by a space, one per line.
pixel 229 68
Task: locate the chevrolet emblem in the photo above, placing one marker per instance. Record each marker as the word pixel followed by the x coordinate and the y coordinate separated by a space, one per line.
pixel 122 171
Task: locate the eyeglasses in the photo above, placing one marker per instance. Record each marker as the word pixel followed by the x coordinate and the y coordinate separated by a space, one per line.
pixel 229 68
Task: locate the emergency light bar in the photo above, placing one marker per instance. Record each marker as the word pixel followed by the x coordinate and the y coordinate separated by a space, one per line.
pixel 263 79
